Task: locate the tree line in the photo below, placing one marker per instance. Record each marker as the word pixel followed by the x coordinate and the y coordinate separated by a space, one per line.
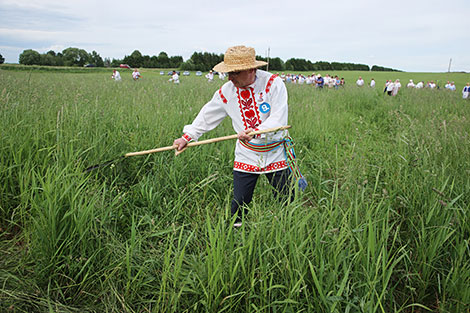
pixel 199 61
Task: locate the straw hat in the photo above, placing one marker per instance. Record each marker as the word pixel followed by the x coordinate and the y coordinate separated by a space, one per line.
pixel 238 58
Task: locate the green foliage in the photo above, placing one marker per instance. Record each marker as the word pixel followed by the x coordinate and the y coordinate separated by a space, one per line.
pixel 116 62
pixel 306 65
pixel 2 59
pixel 75 57
pixel 202 61
pixel 96 59
pixel 30 57
pixel 294 64
pixel 133 60
pixel 377 68
pixel 163 60
pixel 382 227
pixel 197 62
pixel 68 57
pixel 276 64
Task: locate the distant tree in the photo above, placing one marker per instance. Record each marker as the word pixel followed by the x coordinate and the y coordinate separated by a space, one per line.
pixel 47 59
pixel 116 62
pixel 75 57
pixel 107 62
pixel 59 59
pixel 2 59
pixel 187 66
pixel 276 64
pixel 204 61
pixel 322 66
pixel 30 57
pixel 163 61
pixel 153 61
pixel 96 59
pixel 376 68
pixel 146 61
pixel 362 67
pixel 299 64
pixel 134 60
pixel 336 66
pixel 176 61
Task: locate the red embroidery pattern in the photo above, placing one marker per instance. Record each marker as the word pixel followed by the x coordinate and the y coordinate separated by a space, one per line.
pixel 248 108
pixel 270 82
pixel 256 169
pixel 222 96
pixel 187 137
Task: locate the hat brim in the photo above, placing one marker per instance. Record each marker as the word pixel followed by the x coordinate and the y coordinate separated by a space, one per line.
pixel 227 68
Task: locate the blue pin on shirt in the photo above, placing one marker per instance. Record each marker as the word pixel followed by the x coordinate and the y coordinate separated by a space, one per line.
pixel 264 107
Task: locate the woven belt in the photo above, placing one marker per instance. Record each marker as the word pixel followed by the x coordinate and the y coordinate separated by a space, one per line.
pixel 289 152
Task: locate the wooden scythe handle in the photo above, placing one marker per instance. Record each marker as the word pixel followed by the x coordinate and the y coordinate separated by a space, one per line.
pixel 203 142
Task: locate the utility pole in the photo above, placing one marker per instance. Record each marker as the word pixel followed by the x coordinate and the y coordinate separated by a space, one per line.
pixel 267 66
pixel 450 62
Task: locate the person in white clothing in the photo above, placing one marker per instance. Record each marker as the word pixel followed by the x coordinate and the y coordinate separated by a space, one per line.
pixel 135 74
pixel 254 100
pixel 116 76
pixel 411 84
pixel 396 87
pixel 221 76
pixel 386 85
pixel 210 76
pixel 390 87
pixel 447 86
pixel 175 78
pixel 360 82
pixel 419 85
pixel 466 91
pixel 372 83
pixel 452 87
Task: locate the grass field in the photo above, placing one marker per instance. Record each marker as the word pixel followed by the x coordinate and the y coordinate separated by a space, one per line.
pixel 382 227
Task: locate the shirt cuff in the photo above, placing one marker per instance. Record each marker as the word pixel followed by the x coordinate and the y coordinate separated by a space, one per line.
pixel 187 137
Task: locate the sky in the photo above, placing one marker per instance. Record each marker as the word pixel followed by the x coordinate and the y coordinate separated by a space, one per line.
pixel 413 36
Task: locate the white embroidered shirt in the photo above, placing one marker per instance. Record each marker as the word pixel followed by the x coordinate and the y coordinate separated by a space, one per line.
pixel 261 105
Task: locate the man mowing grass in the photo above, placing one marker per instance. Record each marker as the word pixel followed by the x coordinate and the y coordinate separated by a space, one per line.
pixel 254 100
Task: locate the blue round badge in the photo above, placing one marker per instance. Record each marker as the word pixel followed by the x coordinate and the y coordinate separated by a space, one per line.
pixel 264 107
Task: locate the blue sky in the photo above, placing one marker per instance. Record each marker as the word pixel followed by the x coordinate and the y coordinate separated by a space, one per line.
pixel 415 36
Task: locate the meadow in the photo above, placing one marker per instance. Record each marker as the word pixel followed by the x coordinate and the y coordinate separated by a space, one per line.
pixel 382 227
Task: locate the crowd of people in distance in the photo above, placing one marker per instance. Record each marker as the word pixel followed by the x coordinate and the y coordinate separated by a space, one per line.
pixel 391 87
pixel 315 80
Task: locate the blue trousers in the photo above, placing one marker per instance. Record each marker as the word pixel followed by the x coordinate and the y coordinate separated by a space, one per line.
pixel 244 184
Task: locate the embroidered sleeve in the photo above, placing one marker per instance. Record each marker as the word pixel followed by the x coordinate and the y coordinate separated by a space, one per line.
pixel 211 114
pixel 187 137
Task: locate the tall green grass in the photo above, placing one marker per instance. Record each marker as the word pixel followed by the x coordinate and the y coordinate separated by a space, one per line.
pixel 382 227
